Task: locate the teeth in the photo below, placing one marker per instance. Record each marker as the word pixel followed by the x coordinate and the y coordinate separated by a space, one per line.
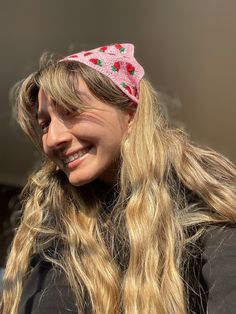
pixel 75 156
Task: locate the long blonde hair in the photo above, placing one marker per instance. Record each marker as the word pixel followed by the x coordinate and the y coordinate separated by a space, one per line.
pixel 131 260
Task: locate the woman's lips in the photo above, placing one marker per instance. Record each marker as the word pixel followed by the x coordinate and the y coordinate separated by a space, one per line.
pixel 74 160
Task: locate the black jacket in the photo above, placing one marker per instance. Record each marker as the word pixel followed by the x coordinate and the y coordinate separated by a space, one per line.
pixel 46 289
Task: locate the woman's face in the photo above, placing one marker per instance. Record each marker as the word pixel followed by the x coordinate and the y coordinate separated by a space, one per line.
pixel 85 146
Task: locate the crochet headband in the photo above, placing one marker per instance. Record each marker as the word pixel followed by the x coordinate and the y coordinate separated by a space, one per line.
pixel 116 62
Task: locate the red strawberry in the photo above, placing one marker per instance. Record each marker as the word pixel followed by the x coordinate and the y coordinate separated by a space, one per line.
pixel 130 68
pixel 103 49
pixel 87 54
pixel 119 47
pixel 73 56
pixel 135 91
pixel 126 87
pixel 96 61
pixel 116 67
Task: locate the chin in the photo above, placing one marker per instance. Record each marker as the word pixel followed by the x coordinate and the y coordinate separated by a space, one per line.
pixel 80 177
pixel 78 181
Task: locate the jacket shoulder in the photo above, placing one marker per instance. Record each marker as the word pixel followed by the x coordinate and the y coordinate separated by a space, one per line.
pixel 219 268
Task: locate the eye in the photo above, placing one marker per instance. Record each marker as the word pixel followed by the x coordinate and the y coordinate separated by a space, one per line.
pixel 44 126
pixel 70 113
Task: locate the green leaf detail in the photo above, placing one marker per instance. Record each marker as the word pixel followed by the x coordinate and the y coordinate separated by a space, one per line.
pixel 99 62
pixel 123 84
pixel 113 69
pixel 122 50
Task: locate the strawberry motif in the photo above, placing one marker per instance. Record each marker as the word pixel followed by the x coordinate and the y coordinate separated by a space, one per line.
pixel 135 90
pixel 87 54
pixel 127 87
pixel 116 67
pixel 119 47
pixel 73 56
pixel 130 68
pixel 96 61
pixel 103 49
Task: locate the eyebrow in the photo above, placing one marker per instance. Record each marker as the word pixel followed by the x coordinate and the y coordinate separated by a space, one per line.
pixel 42 113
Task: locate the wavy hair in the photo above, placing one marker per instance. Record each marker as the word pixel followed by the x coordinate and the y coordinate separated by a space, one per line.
pixel 169 191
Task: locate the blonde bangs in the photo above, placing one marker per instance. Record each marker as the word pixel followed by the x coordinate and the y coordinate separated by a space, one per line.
pixel 60 82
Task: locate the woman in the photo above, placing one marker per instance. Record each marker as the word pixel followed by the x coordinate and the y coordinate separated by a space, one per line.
pixel 125 215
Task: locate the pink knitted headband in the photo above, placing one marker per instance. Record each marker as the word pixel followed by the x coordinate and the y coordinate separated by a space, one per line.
pixel 118 63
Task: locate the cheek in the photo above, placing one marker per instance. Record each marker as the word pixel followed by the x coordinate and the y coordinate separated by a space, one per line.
pixel 109 145
pixel 46 150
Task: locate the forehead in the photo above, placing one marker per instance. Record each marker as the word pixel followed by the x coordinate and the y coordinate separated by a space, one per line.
pixel 44 101
pixel 81 93
pixel 43 98
pixel 43 104
pixel 79 87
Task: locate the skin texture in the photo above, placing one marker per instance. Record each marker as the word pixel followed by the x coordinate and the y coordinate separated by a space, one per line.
pixel 99 129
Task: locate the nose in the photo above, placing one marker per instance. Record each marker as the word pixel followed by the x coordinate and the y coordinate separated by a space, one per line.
pixel 58 135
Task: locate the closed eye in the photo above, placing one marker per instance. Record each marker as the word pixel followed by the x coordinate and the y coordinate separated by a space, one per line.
pixel 44 126
pixel 67 113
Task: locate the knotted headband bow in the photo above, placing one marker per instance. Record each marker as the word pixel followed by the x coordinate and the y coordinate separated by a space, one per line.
pixel 118 63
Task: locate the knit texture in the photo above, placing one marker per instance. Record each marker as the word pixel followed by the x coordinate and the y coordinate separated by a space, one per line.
pixel 116 62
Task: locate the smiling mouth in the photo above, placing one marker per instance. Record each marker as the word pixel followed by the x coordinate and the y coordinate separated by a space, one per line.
pixel 75 156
